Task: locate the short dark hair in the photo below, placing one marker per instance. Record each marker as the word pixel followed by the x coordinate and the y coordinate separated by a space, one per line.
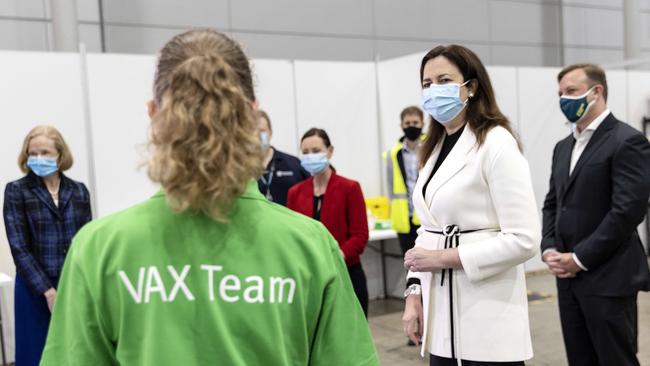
pixel 411 110
pixel 317 132
pixel 594 73
pixel 264 115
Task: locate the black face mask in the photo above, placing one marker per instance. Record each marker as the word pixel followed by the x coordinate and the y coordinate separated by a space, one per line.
pixel 412 133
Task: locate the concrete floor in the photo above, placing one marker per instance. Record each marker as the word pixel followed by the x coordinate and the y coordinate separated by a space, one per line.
pixel 385 323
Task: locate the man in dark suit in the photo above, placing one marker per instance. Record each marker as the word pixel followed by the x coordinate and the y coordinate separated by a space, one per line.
pixel 599 188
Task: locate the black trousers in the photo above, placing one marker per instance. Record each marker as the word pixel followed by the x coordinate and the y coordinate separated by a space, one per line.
pixel 443 361
pixel 360 285
pixel 407 240
pixel 599 330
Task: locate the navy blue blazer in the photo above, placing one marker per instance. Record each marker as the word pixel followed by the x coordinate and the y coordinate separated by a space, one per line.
pixel 286 172
pixel 39 232
pixel 594 212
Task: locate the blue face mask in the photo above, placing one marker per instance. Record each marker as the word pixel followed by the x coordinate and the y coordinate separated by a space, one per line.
pixel 314 163
pixel 574 108
pixel 443 102
pixel 266 141
pixel 42 166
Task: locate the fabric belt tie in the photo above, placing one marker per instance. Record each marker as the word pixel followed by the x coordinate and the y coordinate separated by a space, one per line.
pixel 452 240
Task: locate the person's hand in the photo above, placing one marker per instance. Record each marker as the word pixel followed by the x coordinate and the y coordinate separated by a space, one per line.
pixel 561 265
pixel 50 296
pixel 412 320
pixel 422 260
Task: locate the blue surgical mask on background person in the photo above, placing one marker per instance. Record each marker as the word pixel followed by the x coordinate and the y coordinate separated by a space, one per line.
pixel 574 108
pixel 314 163
pixel 42 166
pixel 443 102
pixel 266 141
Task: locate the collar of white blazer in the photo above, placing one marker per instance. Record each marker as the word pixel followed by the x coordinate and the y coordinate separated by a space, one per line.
pixel 454 162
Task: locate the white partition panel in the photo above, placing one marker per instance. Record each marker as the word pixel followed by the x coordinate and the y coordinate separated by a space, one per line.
pixel 340 97
pixel 37 89
pixel 542 125
pixel 274 90
pixel 638 106
pixel 617 93
pixel 399 87
pixel 120 87
pixel 638 97
pixel 504 84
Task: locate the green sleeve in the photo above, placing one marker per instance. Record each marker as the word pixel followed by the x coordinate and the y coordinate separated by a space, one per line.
pixel 342 335
pixel 76 335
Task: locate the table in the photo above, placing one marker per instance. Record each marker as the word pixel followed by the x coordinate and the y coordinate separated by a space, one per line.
pixel 381 236
pixel 5 282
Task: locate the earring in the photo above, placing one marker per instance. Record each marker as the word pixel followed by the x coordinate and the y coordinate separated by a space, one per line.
pixel 471 94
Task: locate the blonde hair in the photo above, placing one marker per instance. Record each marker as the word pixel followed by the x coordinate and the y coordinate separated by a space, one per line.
pixel 64 160
pixel 205 143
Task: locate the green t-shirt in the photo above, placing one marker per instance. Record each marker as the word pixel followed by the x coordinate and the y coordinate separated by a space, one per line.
pixel 147 286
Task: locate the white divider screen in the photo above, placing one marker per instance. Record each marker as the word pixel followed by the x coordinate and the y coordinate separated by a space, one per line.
pixel 638 106
pixel 504 84
pixel 37 89
pixel 638 97
pixel 618 95
pixel 541 127
pixel 274 90
pixel 120 87
pixel 340 97
pixel 399 87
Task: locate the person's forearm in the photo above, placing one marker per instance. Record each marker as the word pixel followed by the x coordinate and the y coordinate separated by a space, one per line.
pixel 449 258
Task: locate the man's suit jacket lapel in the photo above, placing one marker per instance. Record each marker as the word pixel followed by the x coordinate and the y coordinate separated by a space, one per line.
pixel 597 139
pixel 564 163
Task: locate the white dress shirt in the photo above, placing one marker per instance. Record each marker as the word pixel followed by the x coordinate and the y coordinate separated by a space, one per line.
pixel 582 139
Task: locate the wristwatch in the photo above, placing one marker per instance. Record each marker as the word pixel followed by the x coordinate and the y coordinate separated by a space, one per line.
pixel 414 289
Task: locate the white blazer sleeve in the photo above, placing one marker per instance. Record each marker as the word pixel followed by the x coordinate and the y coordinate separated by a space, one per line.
pixel 507 174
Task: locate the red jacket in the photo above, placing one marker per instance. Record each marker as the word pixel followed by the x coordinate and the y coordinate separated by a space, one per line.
pixel 343 212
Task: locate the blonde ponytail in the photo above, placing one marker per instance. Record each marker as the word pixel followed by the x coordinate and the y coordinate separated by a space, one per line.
pixel 204 137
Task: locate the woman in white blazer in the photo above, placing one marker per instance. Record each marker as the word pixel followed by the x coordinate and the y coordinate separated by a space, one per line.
pixel 466 298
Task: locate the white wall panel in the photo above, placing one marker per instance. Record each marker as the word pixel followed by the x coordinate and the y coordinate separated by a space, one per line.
pixel 617 93
pixel 542 126
pixel 399 87
pixel 341 98
pixel 638 97
pixel 638 106
pixel 504 83
pixel 274 90
pixel 119 88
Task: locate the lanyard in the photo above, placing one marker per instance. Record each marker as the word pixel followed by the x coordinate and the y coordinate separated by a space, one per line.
pixel 267 181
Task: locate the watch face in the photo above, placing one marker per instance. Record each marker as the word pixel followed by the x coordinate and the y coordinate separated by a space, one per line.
pixel 413 289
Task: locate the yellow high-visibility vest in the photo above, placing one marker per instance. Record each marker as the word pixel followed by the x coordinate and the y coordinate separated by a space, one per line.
pixel 399 204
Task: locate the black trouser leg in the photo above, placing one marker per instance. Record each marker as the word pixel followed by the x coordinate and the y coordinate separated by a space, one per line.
pixel 612 324
pixel 599 330
pixel 579 349
pixel 407 240
pixel 358 278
